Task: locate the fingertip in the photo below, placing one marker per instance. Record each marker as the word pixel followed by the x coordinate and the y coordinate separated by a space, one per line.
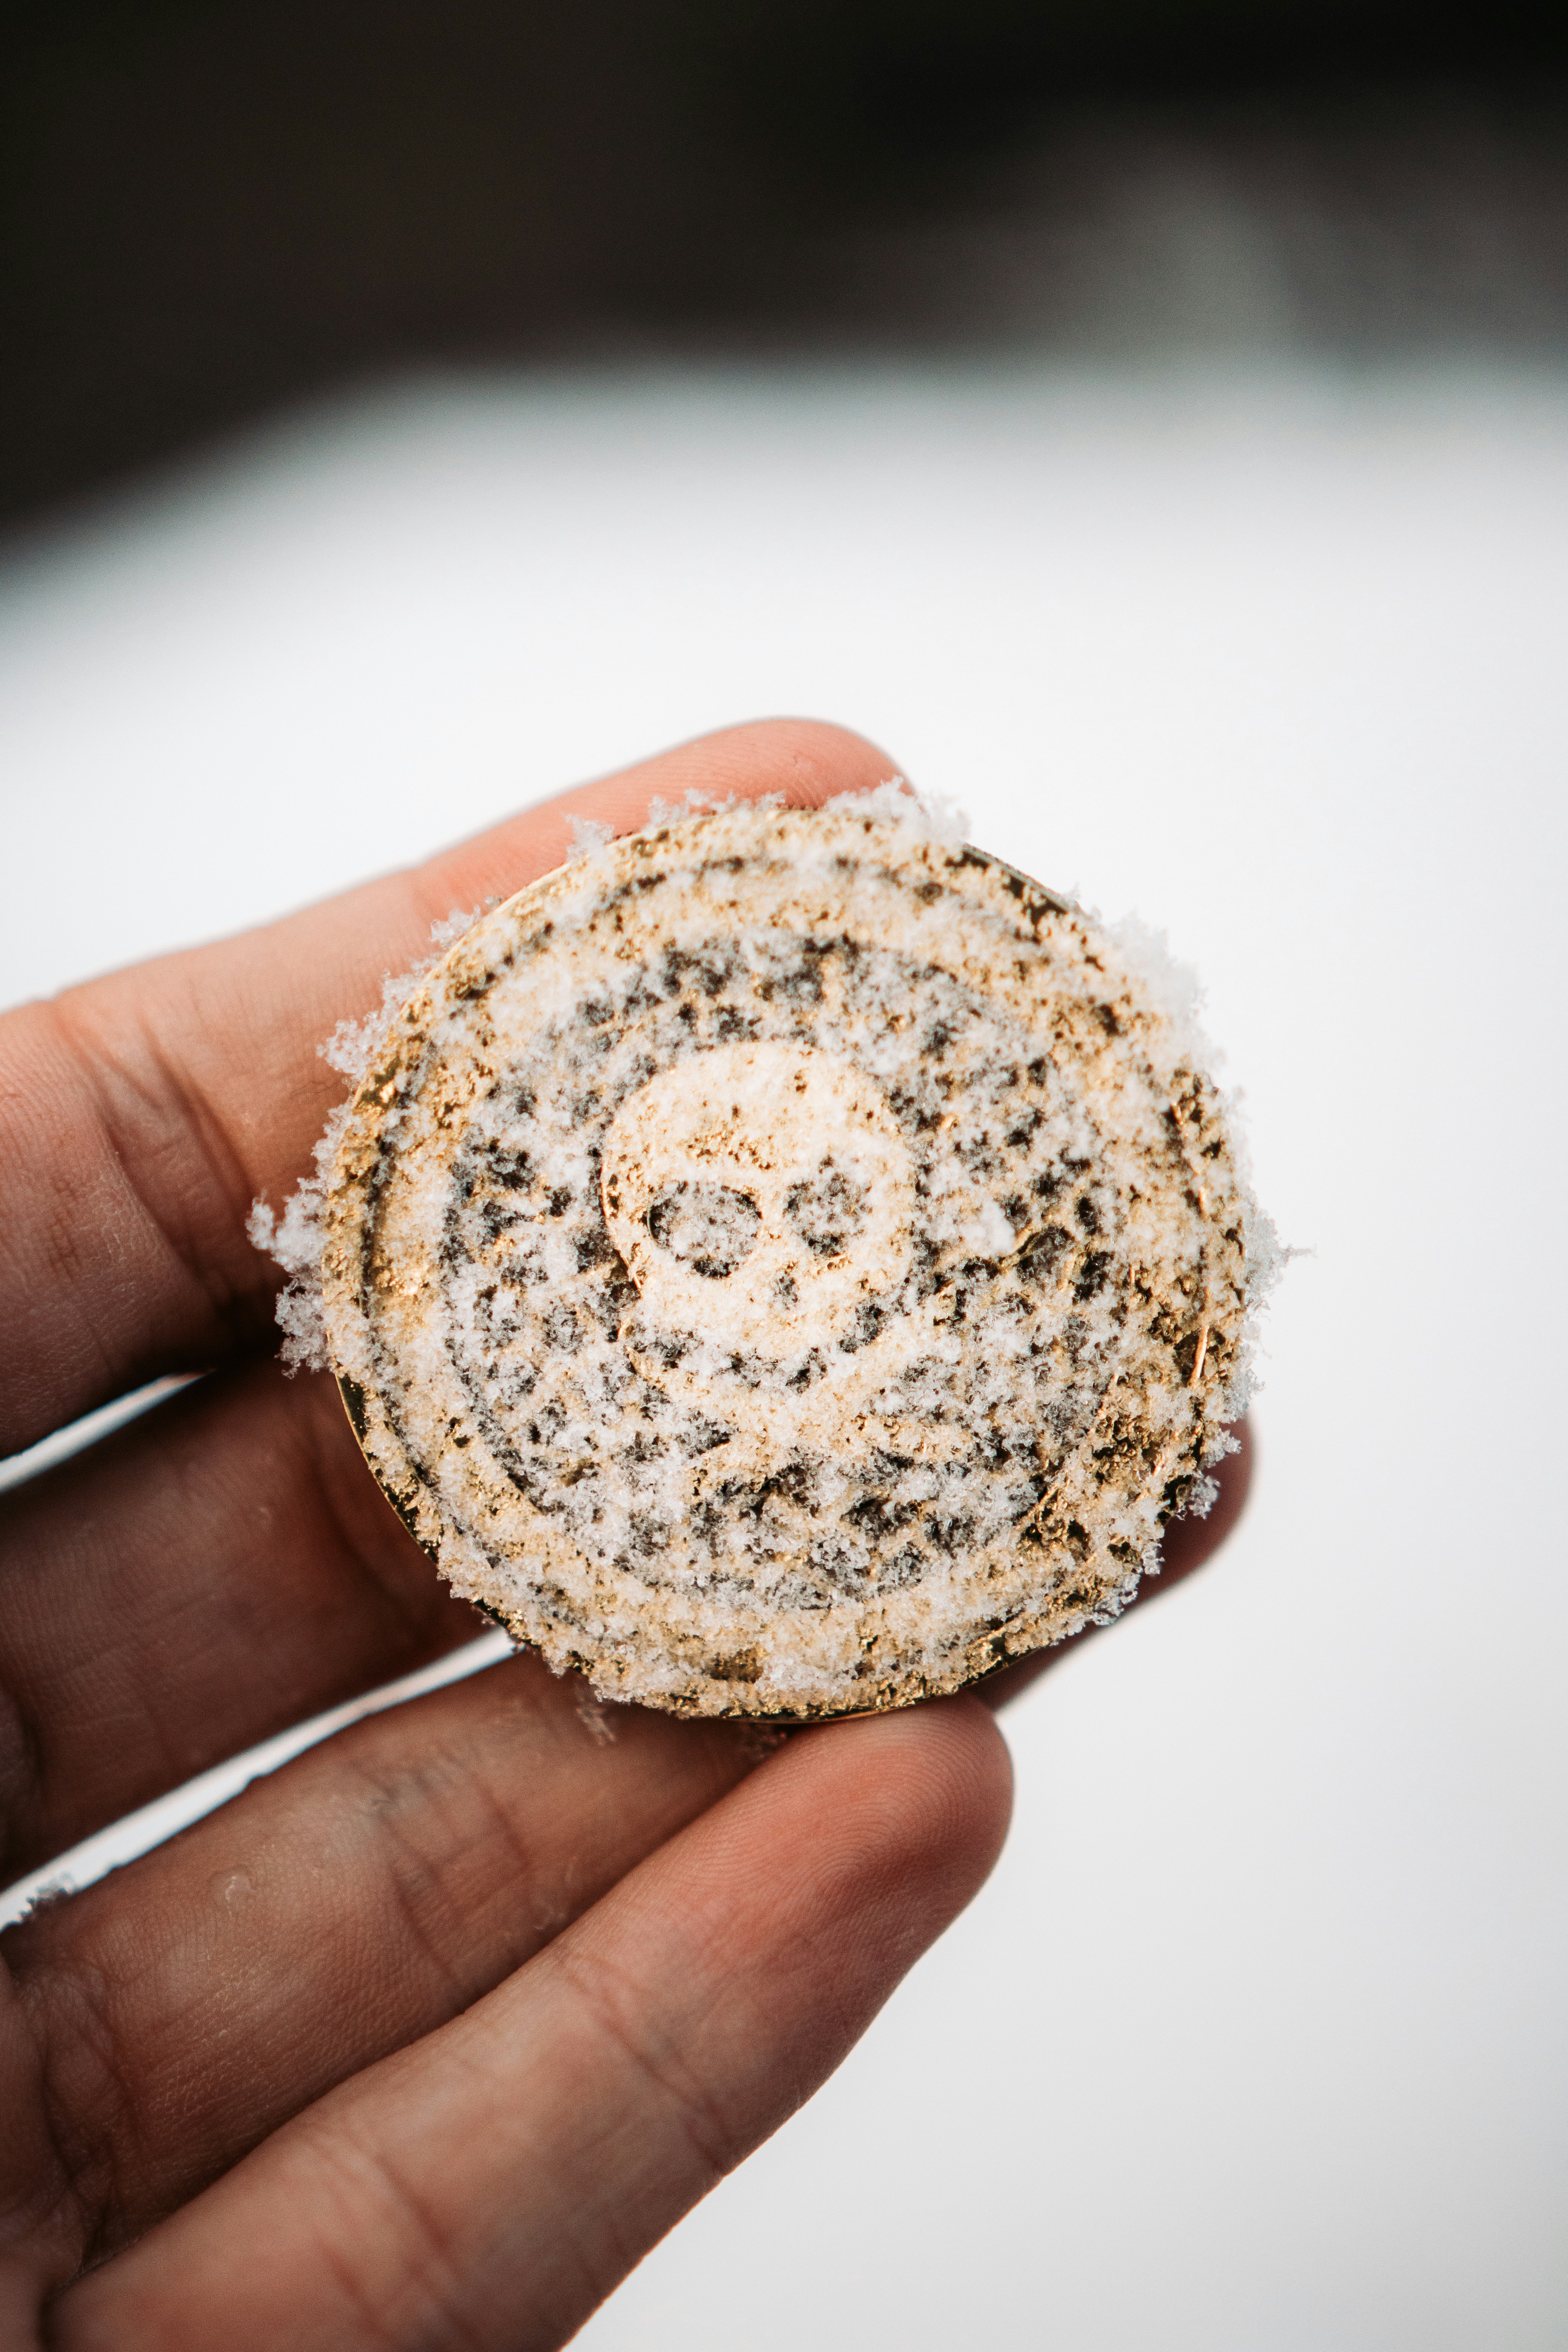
pixel 950 1775
pixel 911 1806
pixel 807 761
pixel 810 761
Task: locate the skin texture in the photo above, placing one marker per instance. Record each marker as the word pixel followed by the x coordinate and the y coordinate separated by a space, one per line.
pixel 424 2040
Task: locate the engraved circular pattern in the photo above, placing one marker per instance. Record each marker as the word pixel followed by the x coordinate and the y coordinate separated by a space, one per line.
pixel 785 1264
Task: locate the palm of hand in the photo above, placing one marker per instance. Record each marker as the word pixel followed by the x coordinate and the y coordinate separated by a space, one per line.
pixel 424 2040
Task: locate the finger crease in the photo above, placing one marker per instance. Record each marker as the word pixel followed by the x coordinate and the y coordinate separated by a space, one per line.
pixel 220 1172
pixel 429 2267
pixel 412 1873
pixel 606 1994
pixel 84 2099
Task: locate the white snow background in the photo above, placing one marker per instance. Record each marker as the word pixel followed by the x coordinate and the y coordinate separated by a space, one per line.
pixel 1256 2042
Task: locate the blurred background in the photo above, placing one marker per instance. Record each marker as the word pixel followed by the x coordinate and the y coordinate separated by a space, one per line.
pixel 1151 424
pixel 211 208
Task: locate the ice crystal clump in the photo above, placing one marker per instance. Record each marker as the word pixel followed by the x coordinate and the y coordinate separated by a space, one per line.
pixel 295 1239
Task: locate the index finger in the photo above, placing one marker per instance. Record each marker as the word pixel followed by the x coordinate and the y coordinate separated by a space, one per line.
pixel 142 1114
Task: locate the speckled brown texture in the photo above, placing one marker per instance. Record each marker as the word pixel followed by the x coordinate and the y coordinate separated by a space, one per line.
pixel 785 1263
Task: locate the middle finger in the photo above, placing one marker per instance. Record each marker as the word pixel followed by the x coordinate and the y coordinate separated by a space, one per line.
pixel 349 1904
pixel 222 1570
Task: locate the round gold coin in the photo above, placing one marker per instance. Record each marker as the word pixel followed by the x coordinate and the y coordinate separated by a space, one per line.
pixel 785 1264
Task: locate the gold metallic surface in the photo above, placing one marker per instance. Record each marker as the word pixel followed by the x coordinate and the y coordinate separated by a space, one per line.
pixel 788 1265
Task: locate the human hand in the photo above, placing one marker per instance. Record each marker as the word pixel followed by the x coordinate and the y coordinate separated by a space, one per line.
pixel 424 2039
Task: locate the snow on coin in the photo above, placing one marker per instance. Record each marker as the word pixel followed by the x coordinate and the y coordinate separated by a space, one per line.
pixel 788 1263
